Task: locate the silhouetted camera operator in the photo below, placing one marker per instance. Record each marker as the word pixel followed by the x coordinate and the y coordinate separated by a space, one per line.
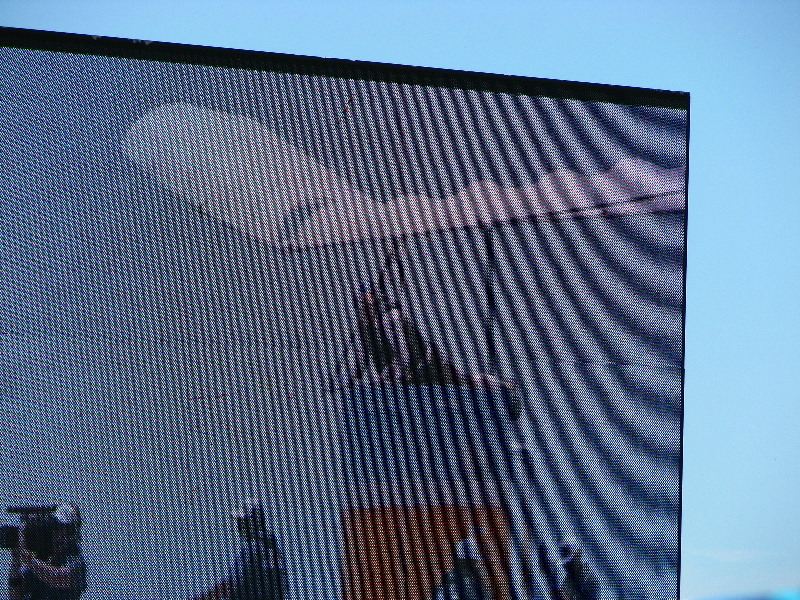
pixel 46 559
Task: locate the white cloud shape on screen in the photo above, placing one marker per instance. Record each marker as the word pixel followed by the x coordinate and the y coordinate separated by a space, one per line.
pixel 241 172
pixel 232 166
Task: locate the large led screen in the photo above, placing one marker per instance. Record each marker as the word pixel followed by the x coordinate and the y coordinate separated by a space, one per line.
pixel 286 328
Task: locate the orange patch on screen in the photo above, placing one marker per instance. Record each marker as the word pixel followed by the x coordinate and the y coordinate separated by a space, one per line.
pixel 406 552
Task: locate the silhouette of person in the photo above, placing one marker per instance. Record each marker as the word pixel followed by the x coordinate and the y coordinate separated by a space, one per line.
pixel 256 572
pixel 579 583
pixel 59 576
pixel 469 577
pixel 393 349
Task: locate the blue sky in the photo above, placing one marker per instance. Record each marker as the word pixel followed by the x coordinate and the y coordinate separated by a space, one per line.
pixel 741 63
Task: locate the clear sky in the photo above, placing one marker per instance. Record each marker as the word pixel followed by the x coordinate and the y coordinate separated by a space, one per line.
pixel 741 63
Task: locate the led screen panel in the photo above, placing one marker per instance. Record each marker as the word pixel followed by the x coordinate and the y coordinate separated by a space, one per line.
pixel 281 327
